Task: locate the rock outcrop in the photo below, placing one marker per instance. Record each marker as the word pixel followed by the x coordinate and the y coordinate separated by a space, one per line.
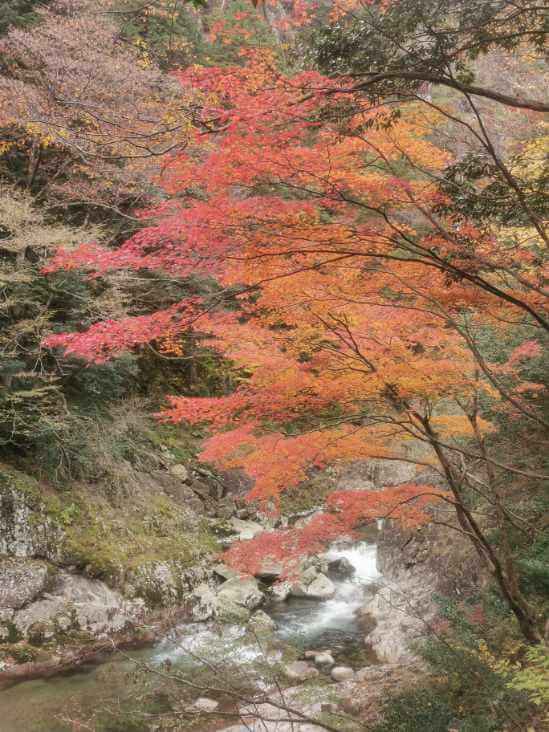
pixel 313 584
pixel 22 581
pixel 416 566
pixel 232 601
pixel 75 569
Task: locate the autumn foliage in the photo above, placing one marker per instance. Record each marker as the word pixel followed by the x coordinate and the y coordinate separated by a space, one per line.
pixel 353 294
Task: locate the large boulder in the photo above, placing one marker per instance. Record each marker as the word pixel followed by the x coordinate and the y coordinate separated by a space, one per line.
pixel 314 585
pixel 260 623
pixel 342 673
pixel 241 591
pixel 340 568
pixel 280 591
pixel 80 605
pixel 22 581
pixel 203 602
pixel 270 570
pixel 225 572
pixel 324 660
pixel 228 611
pixel 163 584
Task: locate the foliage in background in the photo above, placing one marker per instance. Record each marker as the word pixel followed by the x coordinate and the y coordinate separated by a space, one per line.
pixel 18 13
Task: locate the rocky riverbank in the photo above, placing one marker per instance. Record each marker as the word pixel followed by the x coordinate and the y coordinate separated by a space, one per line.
pixel 63 605
pixel 77 573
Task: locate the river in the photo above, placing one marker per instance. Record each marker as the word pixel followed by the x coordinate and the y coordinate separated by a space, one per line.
pixel 96 692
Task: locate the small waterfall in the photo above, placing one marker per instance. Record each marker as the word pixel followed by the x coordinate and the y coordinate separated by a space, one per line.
pixel 310 622
pixel 363 557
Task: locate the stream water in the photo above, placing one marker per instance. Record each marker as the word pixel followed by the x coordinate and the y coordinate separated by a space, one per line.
pixel 46 705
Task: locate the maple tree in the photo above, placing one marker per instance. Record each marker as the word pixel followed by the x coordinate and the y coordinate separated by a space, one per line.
pixel 359 298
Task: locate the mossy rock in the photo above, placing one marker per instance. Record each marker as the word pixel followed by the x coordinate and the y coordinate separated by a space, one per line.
pixel 83 529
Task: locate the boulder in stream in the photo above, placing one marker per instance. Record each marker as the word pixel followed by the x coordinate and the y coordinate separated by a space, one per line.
pixel 340 568
pixel 241 591
pixel 281 591
pixel 77 604
pixel 324 660
pixel 261 623
pixel 203 602
pixel 269 570
pixel 314 585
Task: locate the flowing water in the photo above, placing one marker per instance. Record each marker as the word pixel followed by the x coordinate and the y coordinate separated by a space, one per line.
pixel 45 705
pixel 312 624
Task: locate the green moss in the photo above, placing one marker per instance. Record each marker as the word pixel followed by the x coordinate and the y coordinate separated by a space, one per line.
pixel 13 634
pixel 104 541
pixel 107 544
pixel 12 480
pixel 20 652
pixel 179 440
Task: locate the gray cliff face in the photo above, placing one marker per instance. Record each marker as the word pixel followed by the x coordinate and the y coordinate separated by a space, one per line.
pixel 72 605
pixel 416 567
pixel 73 569
pixel 26 529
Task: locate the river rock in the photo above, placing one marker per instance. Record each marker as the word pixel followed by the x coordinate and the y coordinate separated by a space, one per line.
pixel 245 529
pixel 261 623
pixel 228 611
pixel 205 705
pixel 281 591
pixel 300 671
pixel 77 604
pixel 21 581
pixel 203 602
pixel 264 717
pixel 342 673
pixel 269 570
pixel 227 573
pixel 313 585
pixel 325 660
pixel 340 568
pixel 242 591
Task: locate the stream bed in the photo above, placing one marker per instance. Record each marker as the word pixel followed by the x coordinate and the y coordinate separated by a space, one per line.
pixel 49 705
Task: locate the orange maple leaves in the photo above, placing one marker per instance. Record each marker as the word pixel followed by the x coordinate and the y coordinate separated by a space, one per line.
pixel 346 512
pixel 356 298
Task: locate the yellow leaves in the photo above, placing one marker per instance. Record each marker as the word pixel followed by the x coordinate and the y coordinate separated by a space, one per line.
pixel 533 159
pixel 457 425
pixel 6 147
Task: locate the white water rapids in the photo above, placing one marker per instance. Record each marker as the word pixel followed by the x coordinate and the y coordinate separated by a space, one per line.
pixel 309 622
pixel 303 622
